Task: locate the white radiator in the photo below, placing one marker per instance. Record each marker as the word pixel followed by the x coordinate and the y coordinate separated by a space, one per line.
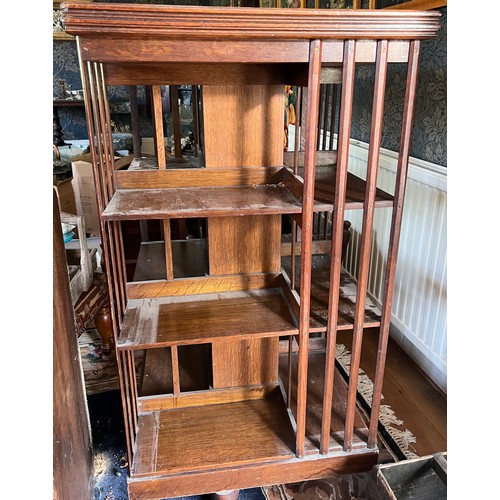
pixel 419 321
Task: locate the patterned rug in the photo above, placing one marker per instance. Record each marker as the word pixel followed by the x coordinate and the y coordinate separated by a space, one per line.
pixel 100 374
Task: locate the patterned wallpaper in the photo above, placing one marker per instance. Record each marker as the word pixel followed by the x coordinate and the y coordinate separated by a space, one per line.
pixel 429 130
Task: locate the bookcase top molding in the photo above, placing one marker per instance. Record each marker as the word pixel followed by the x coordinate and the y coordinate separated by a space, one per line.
pixel 226 23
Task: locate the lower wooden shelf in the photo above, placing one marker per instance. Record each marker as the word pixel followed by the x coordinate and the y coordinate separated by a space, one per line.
pixel 199 448
pixel 213 436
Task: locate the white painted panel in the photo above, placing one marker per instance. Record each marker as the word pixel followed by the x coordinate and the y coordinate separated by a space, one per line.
pixel 419 304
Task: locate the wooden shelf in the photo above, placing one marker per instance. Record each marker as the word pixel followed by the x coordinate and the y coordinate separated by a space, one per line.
pixel 204 192
pixel 201 319
pixel 201 202
pixel 221 434
pixel 320 285
pixel 324 186
pixel 213 436
pixel 324 189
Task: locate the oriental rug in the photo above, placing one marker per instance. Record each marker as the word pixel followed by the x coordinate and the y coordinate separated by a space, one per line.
pixel 100 375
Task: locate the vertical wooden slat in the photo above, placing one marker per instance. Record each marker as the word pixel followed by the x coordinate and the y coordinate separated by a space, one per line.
pixel 91 74
pixel 88 83
pixel 133 388
pixel 107 166
pixel 290 371
pixel 158 126
pixel 298 112
pixel 366 236
pixel 356 4
pixel 306 243
pixel 94 140
pixel 337 233
pixel 175 370
pixel 295 171
pixel 124 386
pixel 397 215
pixel 121 263
pixel 167 238
pixel 176 120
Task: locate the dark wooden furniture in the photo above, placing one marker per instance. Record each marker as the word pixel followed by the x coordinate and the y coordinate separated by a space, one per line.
pixel 73 460
pixel 220 406
pixel 58 133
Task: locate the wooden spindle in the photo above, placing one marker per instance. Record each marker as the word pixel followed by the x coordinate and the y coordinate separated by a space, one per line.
pixel 90 79
pixel 175 370
pixel 158 126
pixel 133 387
pixel 366 236
pixel 167 238
pixel 392 253
pixel 126 403
pixel 296 171
pixel 290 372
pixel 306 244
pixel 337 232
pixel 108 165
pixel 122 265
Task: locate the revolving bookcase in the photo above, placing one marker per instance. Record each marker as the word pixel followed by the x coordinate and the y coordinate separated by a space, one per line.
pixel 227 394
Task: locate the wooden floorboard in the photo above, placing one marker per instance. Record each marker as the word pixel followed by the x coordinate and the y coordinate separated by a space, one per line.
pixel 409 392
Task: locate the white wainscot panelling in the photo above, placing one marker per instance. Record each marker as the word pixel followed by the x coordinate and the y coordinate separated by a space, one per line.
pixel 419 321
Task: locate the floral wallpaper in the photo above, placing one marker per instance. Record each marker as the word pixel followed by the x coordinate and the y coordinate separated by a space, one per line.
pixel 429 129
pixel 429 126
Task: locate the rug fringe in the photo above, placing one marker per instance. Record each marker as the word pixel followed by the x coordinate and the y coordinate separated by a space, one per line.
pixel 387 417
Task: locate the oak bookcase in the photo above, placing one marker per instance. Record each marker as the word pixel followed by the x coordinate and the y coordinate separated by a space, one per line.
pixel 227 396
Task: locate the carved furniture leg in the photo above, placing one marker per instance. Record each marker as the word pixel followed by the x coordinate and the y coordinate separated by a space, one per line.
pixel 105 331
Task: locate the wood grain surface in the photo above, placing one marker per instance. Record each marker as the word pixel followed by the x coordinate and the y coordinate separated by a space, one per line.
pixel 151 322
